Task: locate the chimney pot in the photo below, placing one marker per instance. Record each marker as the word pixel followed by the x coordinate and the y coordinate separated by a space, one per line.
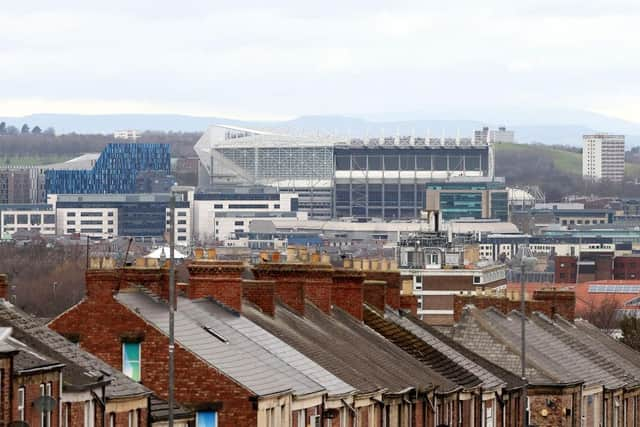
pixel 198 253
pixel 211 253
pixel 315 258
pixel 366 264
pixel 325 259
pixel 275 256
pixel 292 254
pixel 357 264
pixel 347 263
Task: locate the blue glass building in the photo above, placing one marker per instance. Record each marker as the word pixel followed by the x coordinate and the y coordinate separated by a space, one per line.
pixel 477 199
pixel 115 172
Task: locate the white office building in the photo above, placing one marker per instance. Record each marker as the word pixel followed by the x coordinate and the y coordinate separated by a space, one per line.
pixel 216 216
pixel 603 157
pixel 29 218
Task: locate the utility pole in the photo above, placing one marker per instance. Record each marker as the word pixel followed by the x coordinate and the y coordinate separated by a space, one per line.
pixel 172 302
pixel 523 360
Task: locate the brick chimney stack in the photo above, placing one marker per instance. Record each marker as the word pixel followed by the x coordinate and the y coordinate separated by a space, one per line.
pixel 102 278
pixel 348 291
pixel 302 276
pixel 262 293
pixel 375 293
pixel 385 271
pixel 148 273
pixel 4 287
pixel 218 279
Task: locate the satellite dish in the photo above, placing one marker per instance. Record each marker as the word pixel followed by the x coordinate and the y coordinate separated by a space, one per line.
pixel 45 403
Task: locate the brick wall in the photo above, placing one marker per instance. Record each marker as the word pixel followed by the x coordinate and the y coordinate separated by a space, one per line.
pixel 394 284
pixel 409 303
pixel 550 302
pixel 217 279
pixel 31 383
pixel 566 269
pixel 289 279
pixel 261 293
pixel 375 293
pixel 6 367
pixel 347 292
pixel 4 286
pixel 626 268
pixel 196 382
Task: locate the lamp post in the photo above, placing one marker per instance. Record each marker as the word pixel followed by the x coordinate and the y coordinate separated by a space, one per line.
pixel 524 261
pixel 172 300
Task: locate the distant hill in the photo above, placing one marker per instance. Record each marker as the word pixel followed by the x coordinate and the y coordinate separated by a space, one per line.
pixel 551 127
pixel 569 162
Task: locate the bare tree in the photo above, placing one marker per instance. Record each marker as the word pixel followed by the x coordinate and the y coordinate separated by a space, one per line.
pixel 604 315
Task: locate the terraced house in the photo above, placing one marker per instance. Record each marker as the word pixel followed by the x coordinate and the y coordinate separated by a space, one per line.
pixel 302 343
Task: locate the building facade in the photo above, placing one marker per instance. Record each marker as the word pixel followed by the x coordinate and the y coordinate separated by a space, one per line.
pixel 477 199
pixel 27 217
pixel 115 172
pixel 603 157
pixel 372 178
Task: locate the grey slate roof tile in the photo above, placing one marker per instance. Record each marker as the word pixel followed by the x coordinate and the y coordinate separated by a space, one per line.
pixel 347 348
pixel 234 354
pixel 120 386
pixel 449 349
pixel 333 384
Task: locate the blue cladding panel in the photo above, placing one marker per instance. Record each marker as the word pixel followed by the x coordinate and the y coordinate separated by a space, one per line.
pixel 115 170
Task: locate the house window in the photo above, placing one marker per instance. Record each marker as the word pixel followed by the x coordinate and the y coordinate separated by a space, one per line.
pixel 88 414
pixel 210 419
pixel 112 420
pixel 133 418
pixel 131 360
pixel 45 416
pixel 21 399
pixel 301 420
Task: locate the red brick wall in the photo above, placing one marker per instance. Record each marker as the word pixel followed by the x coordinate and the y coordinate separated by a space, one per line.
pixel 347 292
pixel 626 268
pixel 318 286
pixel 375 293
pixel 31 384
pixel 4 286
pixel 260 293
pixel 549 302
pixel 394 284
pixel 217 279
pixel 566 269
pixel 5 402
pixel 410 303
pixel 289 279
pixel 196 382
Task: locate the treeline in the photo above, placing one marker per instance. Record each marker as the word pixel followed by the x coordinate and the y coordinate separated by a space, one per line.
pixel 24 130
pixel 49 286
pixel 520 168
pixel 72 144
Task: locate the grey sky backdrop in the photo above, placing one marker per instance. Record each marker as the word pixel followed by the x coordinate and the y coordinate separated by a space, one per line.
pixel 279 59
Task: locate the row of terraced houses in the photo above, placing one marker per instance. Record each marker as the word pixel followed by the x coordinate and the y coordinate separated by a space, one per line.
pixel 304 343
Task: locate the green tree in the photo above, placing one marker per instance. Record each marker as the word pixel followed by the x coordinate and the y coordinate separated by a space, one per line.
pixel 12 130
pixel 25 128
pixel 36 130
pixel 631 332
pixel 50 131
pixel 3 128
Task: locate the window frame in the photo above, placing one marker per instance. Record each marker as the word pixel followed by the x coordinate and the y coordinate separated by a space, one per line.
pixel 215 417
pixel 22 397
pixel 125 360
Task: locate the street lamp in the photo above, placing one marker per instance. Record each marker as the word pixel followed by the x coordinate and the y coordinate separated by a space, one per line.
pixel 524 261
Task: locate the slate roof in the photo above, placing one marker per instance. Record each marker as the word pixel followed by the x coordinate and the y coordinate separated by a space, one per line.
pixel 76 360
pixel 209 307
pixel 552 357
pixel 491 375
pixel 420 349
pixel 159 410
pixel 475 333
pixel 348 349
pixel 628 357
pixel 221 346
pixel 588 351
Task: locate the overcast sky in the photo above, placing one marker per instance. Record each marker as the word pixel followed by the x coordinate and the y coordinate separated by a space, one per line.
pixel 278 59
